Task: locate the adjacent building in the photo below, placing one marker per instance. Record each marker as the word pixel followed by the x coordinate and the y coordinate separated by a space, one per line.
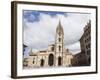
pixel 79 59
pixel 84 57
pixel 85 43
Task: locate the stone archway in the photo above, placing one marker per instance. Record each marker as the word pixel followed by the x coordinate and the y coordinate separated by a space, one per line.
pixel 51 60
pixel 59 61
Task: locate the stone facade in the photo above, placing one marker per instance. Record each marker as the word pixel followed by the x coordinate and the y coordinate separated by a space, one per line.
pixel 84 57
pixel 55 55
pixel 85 43
pixel 79 59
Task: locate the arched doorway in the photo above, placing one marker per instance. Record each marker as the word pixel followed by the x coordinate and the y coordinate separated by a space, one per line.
pixel 51 60
pixel 59 61
pixel 42 63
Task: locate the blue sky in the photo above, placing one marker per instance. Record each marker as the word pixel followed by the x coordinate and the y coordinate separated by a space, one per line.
pixel 40 29
pixel 27 14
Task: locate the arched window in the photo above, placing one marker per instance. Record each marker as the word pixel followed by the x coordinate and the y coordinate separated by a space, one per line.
pixel 59 61
pixel 51 60
pixel 52 48
pixel 33 60
pixel 59 48
pixel 42 63
pixel 59 39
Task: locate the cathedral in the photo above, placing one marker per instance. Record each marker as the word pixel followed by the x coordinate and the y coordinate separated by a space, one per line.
pixel 55 55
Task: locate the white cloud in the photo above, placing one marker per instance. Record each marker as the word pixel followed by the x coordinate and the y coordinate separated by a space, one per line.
pixel 74 48
pixel 39 35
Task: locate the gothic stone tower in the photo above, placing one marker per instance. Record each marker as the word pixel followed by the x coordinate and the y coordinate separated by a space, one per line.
pixel 59 44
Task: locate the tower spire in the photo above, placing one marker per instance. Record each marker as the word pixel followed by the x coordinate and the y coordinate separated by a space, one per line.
pixel 59 28
pixel 59 43
pixel 59 23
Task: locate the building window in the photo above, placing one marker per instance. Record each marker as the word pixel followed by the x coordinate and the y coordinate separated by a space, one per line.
pixel 88 52
pixel 59 61
pixel 42 63
pixel 25 62
pixel 33 60
pixel 59 39
pixel 52 48
pixel 86 46
pixel 89 45
pixel 59 48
